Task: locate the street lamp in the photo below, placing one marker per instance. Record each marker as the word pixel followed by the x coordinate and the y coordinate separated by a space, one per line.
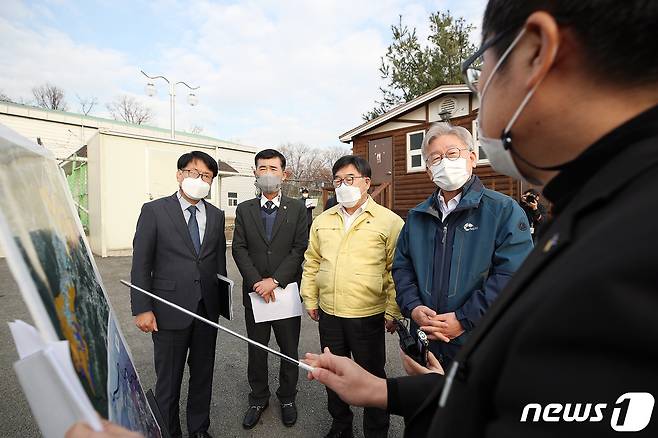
pixel 192 99
pixel 150 89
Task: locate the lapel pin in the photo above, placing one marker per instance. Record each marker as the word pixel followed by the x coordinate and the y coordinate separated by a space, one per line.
pixel 285 206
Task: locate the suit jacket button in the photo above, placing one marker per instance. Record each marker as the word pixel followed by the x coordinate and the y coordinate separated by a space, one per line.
pixel 269 252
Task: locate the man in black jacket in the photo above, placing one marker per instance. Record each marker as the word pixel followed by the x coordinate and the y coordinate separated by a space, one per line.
pixel 569 348
pixel 178 250
pixel 269 241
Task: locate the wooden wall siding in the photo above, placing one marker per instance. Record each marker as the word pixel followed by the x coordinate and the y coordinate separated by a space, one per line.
pixel 410 189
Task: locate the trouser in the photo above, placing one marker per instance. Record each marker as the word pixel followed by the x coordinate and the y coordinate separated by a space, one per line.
pixel 170 351
pixel 363 339
pixel 286 332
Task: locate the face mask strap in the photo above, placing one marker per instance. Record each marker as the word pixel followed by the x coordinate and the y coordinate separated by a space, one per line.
pixel 506 136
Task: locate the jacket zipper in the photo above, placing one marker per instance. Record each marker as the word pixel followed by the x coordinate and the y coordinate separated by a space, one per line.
pixel 459 265
pixel 443 263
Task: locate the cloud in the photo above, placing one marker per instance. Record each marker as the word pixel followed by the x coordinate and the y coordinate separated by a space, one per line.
pixel 51 56
pixel 270 72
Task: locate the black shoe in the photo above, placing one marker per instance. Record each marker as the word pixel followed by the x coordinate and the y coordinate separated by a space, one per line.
pixel 288 414
pixel 202 434
pixel 339 433
pixel 253 415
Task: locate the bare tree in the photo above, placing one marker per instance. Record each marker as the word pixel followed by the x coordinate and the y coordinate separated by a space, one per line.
pixel 5 98
pixel 86 104
pixel 129 110
pixel 330 155
pixel 299 157
pixel 306 163
pixel 49 96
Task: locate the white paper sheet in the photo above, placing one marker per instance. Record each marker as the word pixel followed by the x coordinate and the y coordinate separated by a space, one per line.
pixel 287 304
pixel 311 203
pixel 50 383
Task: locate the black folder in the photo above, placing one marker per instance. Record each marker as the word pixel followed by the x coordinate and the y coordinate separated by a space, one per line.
pixel 225 290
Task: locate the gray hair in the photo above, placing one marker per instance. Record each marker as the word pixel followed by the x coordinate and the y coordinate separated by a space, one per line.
pixel 445 128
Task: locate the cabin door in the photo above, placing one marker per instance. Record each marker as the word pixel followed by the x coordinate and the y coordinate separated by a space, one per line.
pixel 380 156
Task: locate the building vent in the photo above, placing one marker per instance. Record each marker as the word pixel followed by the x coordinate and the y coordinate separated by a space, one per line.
pixel 447 107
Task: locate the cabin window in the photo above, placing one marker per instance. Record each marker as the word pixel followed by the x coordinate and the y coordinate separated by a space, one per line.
pixel 415 162
pixel 232 199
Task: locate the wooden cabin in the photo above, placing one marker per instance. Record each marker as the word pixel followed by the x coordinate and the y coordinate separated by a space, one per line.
pixel 392 145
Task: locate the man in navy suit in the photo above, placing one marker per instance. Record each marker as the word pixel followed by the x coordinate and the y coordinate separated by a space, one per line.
pixel 178 250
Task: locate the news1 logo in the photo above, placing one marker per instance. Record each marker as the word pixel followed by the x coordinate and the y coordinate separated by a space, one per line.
pixel 630 413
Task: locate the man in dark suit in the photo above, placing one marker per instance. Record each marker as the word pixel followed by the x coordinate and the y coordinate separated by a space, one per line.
pixel 270 238
pixel 178 250
pixel 569 347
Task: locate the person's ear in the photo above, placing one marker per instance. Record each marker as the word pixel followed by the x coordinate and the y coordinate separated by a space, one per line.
pixel 179 176
pixel 428 171
pixel 474 159
pixel 366 182
pixel 541 45
pixel 286 174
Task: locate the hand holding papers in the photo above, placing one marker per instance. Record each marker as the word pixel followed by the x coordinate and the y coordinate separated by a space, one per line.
pixel 311 203
pixel 286 305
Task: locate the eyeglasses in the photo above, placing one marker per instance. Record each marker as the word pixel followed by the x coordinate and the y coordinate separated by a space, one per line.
pixel 349 180
pixel 451 154
pixel 472 67
pixel 193 173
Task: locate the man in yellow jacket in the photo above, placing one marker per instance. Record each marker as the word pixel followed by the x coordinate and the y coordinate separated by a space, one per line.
pixel 347 285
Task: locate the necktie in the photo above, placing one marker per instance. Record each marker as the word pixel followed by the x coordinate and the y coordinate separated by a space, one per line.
pixel 269 207
pixel 193 227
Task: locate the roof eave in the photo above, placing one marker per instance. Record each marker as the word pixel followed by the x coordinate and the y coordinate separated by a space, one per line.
pixel 348 136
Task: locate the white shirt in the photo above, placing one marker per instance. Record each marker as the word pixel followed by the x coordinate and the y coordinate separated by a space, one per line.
pixel 446 209
pixel 348 219
pixel 276 201
pixel 200 214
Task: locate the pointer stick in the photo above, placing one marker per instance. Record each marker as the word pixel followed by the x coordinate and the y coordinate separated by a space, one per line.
pixel 299 363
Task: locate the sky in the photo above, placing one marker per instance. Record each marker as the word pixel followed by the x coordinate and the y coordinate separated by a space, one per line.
pixel 269 72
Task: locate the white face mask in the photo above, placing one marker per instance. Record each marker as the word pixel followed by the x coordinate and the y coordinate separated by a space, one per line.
pixel 195 188
pixel 450 175
pixel 348 196
pixel 498 150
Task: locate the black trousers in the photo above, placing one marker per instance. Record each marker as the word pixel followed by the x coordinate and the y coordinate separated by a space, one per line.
pixel 444 352
pixel 170 350
pixel 286 332
pixel 363 339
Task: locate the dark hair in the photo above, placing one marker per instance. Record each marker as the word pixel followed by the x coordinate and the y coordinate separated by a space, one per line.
pixel 266 154
pixel 304 190
pixel 361 165
pixel 209 161
pixel 614 35
pixel 532 192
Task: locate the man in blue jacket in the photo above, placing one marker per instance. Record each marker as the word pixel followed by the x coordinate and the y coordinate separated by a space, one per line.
pixel 458 248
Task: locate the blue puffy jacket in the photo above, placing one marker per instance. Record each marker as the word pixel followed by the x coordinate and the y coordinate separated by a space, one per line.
pixel 463 264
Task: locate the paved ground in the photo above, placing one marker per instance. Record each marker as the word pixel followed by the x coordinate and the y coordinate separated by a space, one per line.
pixel 230 380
